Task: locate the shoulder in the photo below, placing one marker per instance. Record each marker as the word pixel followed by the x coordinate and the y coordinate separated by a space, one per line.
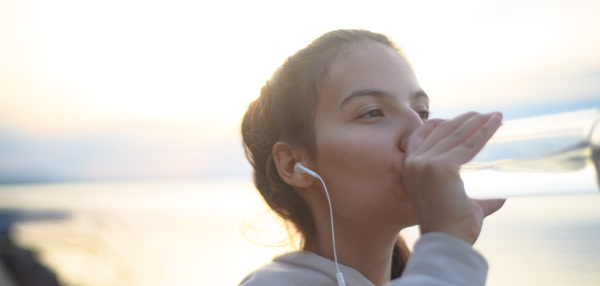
pixel 294 268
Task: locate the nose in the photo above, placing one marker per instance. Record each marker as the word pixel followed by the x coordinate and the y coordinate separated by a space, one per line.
pixel 411 122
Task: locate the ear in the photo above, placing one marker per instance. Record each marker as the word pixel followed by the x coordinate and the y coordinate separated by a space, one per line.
pixel 285 158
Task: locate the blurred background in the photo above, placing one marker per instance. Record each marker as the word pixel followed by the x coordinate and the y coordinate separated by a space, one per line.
pixel 120 154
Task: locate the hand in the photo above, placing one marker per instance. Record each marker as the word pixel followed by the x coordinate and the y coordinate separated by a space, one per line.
pixel 432 181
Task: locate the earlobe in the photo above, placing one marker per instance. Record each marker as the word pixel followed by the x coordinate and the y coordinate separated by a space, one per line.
pixel 285 158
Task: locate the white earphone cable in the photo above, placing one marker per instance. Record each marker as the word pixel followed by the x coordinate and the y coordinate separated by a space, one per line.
pixel 339 275
pixel 298 168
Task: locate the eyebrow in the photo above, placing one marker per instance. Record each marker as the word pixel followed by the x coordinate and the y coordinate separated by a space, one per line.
pixel 379 93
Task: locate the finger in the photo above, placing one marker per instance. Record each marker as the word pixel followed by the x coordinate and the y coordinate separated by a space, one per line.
pixel 489 207
pixel 465 135
pixel 469 147
pixel 417 138
pixel 445 128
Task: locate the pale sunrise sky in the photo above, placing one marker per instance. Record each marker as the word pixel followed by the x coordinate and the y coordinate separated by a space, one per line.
pixel 138 89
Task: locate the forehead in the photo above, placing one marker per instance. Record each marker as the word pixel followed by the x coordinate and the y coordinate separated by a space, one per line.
pixel 368 66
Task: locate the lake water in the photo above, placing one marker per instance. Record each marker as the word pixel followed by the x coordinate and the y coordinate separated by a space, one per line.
pixel 198 232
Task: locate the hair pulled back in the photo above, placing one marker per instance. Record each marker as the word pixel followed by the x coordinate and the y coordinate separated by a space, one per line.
pixel 284 112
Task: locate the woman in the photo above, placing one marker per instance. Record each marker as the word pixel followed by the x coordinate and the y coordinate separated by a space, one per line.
pixel 349 108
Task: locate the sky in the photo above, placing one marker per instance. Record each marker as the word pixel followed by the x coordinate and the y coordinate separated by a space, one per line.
pixel 105 90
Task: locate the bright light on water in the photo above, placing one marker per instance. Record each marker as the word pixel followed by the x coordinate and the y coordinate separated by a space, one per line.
pixel 192 233
pixel 145 233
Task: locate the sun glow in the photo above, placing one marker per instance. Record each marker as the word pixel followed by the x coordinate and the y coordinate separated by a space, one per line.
pixel 186 60
pixel 166 83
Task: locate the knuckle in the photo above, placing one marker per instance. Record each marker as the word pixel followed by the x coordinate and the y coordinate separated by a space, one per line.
pixel 488 129
pixel 470 144
pixel 414 164
pixel 422 164
pixel 467 115
pixel 472 113
pixel 446 123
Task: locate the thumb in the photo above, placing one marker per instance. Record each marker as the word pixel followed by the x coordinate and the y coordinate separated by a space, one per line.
pixel 489 207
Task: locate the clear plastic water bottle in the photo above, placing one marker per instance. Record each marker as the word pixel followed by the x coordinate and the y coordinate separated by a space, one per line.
pixel 554 154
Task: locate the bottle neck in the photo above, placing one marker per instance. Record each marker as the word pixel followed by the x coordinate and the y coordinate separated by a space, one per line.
pixel 595 145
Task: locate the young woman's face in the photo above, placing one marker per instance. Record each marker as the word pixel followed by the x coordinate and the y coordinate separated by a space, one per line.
pixel 369 103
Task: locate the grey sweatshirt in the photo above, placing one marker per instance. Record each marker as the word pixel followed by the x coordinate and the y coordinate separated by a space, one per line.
pixel 437 259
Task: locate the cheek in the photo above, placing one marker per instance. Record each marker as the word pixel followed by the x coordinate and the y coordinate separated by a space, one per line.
pixel 361 171
pixel 363 154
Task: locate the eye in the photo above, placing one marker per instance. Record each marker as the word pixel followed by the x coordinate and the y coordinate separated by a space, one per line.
pixel 423 114
pixel 372 114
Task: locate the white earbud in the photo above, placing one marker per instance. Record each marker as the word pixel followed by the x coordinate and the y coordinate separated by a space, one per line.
pixel 300 169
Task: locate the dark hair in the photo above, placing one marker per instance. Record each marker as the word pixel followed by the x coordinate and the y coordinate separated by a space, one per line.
pixel 284 111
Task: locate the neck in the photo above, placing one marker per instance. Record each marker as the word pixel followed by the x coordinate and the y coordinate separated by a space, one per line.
pixel 366 249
